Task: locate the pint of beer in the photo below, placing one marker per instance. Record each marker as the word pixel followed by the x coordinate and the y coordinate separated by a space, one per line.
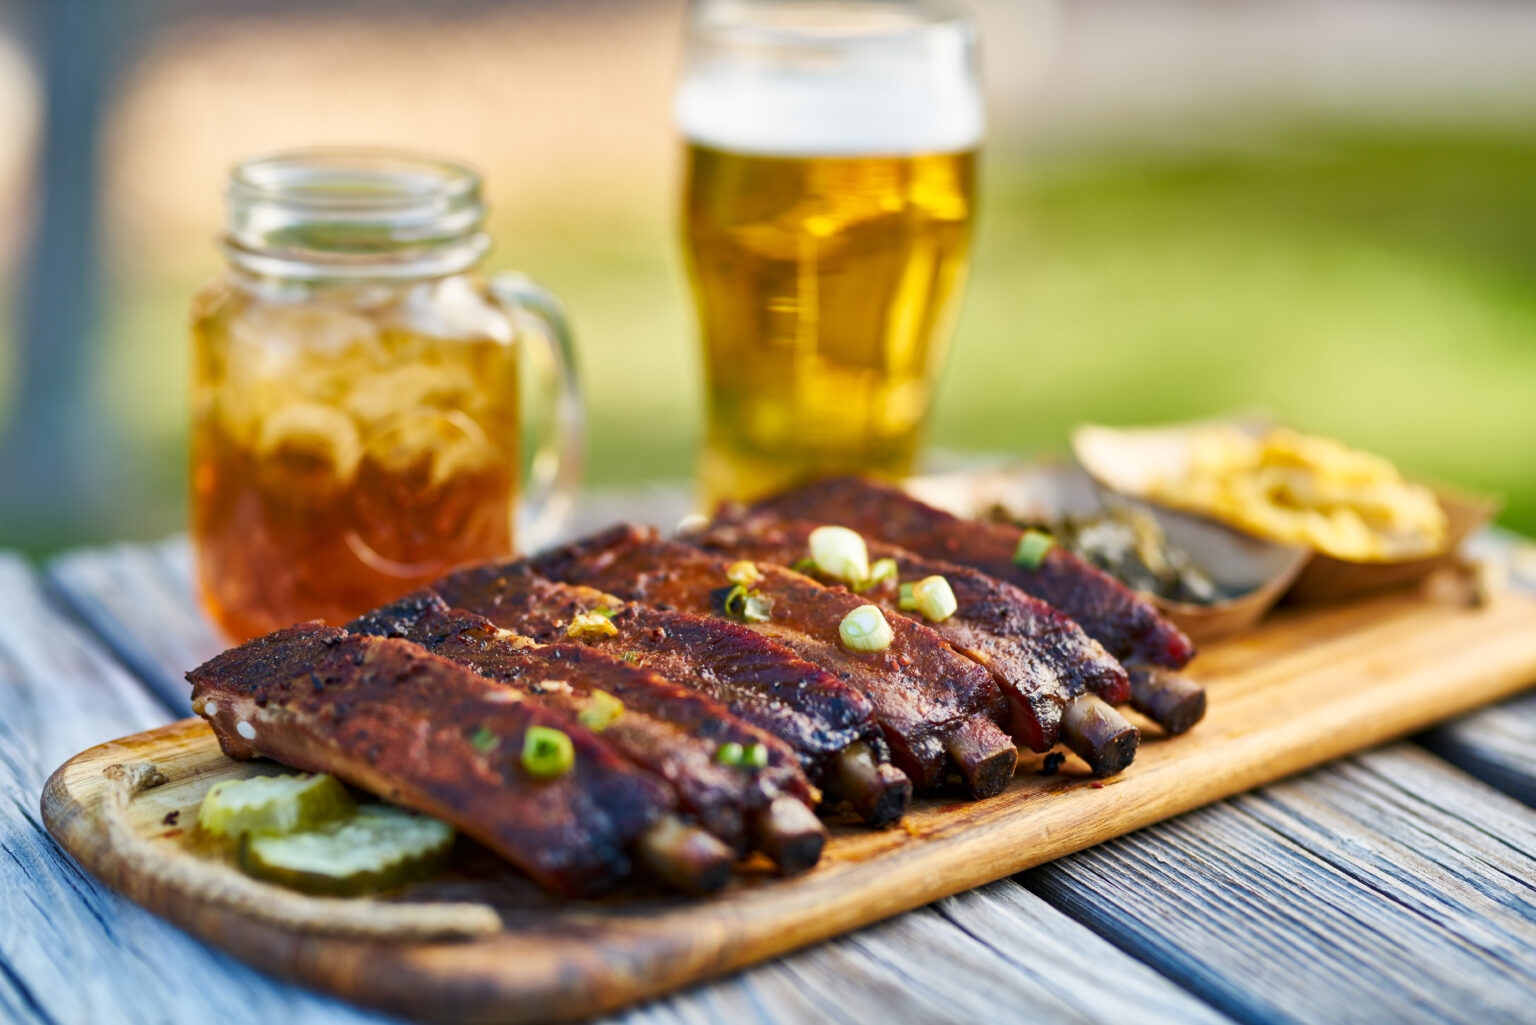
pixel 827 218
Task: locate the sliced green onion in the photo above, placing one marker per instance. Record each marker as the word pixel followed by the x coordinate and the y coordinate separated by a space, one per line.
pixel 601 711
pixel 865 629
pixel 758 608
pixel 729 601
pixel 591 624
pixel 744 573
pixel 605 612
pixel 547 752
pixel 631 656
pixel 882 570
pixel 738 603
pixel 934 598
pixel 484 741
pixel 805 565
pixel 840 553
pixel 750 756
pixel 908 601
pixel 691 522
pixel 1032 549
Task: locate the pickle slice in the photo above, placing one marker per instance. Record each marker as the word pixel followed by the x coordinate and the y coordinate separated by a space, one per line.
pixel 379 847
pixel 273 804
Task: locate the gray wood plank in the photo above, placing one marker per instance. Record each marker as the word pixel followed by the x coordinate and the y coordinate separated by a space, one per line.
pixel 1497 744
pixel 138 599
pixel 1385 887
pixel 998 954
pixel 70 949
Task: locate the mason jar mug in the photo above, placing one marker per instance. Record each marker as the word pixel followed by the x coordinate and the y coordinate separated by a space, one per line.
pixel 356 413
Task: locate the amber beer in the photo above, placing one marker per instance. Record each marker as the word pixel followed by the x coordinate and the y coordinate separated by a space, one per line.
pixel 825 288
pixel 827 214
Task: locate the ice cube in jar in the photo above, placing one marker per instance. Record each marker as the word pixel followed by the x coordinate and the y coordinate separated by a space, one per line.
pixel 349 442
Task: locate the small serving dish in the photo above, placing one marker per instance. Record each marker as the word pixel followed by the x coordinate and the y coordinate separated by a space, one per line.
pixel 1128 460
pixel 1252 573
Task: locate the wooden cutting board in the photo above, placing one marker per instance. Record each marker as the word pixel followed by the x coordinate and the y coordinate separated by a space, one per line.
pixel 1303 688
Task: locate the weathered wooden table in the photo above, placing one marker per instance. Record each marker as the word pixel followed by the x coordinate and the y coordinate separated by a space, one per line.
pixel 1395 886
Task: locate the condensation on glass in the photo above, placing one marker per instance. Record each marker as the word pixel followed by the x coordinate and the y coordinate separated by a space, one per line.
pixel 355 393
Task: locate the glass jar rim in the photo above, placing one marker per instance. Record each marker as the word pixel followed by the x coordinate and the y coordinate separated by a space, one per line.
pixel 834 24
pixel 354 211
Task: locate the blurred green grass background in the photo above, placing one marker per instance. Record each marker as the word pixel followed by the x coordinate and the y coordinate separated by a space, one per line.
pixel 1371 282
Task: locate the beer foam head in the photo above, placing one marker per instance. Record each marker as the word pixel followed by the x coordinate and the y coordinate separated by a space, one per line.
pixel 818 78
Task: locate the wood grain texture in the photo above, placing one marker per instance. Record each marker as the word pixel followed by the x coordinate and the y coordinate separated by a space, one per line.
pixel 1385 888
pixel 1497 745
pixel 71 950
pixel 998 954
pixel 1304 688
pixel 139 599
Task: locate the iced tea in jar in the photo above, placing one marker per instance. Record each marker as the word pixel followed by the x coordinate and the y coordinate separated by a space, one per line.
pixel 355 397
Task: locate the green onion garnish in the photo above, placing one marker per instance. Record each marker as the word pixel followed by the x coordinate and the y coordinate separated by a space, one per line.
pixel 934 598
pixel 750 756
pixel 865 629
pixel 729 601
pixel 805 565
pixel 484 740
pixel 908 601
pixel 882 570
pixel 840 553
pixel 547 752
pixel 744 573
pixel 758 608
pixel 591 624
pixel 736 602
pixel 1032 549
pixel 601 711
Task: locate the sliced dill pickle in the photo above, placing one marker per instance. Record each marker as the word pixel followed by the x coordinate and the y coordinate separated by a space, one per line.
pixel 273 804
pixel 379 847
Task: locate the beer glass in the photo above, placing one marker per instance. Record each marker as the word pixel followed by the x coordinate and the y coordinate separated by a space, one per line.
pixel 830 184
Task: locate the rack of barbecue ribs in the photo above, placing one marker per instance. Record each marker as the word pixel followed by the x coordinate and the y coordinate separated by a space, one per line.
pixel 1060 683
pixel 937 710
pixel 704 730
pixel 1128 626
pixel 429 734
pixel 669 731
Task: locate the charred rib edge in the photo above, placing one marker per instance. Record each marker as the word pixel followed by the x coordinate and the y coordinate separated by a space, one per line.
pixel 878 791
pixel 1174 702
pixel 1099 735
pixel 685 857
pixel 790 834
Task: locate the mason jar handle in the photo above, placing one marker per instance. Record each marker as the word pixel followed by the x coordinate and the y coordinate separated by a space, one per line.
pixel 555 473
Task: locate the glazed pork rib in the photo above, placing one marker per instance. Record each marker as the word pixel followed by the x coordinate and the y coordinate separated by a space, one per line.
pixel 670 731
pixel 935 707
pixel 426 733
pixel 1051 672
pixel 1129 627
pixel 1126 625
pixel 829 724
